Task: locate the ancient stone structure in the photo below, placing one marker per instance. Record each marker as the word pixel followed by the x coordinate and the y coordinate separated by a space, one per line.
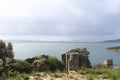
pixel 31 60
pixel 39 66
pixel 75 58
pixel 37 63
pixel 107 63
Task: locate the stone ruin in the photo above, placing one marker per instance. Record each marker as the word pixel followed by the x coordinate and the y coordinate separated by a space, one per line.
pixel 76 58
pixel 37 63
pixel 107 63
pixel 31 60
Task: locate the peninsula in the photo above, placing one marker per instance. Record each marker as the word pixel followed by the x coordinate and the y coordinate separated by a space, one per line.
pixel 116 48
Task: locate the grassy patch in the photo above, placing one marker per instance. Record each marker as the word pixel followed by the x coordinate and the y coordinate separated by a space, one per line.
pixel 105 73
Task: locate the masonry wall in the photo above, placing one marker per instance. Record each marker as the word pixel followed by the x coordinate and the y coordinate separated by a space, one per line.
pixel 73 64
pixel 75 58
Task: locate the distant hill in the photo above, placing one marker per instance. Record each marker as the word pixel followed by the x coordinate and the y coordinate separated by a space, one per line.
pixel 112 41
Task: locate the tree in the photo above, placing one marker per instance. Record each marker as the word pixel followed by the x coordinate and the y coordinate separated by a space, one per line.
pixel 5 52
pixel 21 66
pixel 9 49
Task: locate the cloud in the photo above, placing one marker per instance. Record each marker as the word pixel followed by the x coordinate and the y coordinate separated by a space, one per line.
pixel 60 18
pixel 112 7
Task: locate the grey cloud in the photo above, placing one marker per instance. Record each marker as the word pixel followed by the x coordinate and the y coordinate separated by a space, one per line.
pixel 62 18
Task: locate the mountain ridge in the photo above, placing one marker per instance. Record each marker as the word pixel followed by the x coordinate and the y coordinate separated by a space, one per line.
pixel 112 41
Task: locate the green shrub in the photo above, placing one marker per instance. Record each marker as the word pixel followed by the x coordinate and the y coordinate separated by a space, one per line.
pixel 54 64
pixel 19 76
pixel 21 66
pixel 105 73
pixel 1 69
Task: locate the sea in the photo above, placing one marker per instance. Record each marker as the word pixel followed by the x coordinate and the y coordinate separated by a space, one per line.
pixel 98 51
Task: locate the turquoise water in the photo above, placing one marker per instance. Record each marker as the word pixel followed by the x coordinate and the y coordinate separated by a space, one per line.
pixel 98 51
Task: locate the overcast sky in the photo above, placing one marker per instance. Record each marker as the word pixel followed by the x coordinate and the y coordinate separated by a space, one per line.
pixel 83 20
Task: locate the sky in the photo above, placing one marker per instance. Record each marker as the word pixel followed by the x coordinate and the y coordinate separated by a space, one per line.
pixel 60 20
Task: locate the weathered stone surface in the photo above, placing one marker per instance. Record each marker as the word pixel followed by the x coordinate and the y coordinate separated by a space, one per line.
pixel 75 58
pixel 106 63
pixel 31 60
pixel 37 63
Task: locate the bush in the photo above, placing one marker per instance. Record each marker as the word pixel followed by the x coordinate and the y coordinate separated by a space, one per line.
pixel 54 64
pixel 1 70
pixel 21 66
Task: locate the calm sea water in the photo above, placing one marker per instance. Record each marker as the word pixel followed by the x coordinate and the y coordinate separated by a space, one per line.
pixel 98 51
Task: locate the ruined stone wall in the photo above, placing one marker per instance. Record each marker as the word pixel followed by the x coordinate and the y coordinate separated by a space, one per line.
pixel 74 63
pixel 107 63
pixel 75 58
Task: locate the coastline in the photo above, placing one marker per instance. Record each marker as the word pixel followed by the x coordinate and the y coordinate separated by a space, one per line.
pixel 116 48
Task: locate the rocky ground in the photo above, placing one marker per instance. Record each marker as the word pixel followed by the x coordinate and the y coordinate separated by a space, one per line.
pixel 58 76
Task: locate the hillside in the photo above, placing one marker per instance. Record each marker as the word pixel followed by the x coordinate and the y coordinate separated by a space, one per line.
pixel 112 41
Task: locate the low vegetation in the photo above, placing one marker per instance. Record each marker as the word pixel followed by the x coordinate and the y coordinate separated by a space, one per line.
pixel 20 66
pixel 81 74
pixel 100 73
pixel 54 64
pixel 22 69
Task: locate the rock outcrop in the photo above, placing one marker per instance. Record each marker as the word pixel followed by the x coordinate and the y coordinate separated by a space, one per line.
pixel 75 58
pixel 117 48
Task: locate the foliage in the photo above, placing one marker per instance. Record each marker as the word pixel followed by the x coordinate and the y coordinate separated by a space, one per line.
pixel 21 66
pixel 106 73
pixel 91 74
pixel 9 50
pixel 18 76
pixel 5 53
pixel 1 70
pixel 54 63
